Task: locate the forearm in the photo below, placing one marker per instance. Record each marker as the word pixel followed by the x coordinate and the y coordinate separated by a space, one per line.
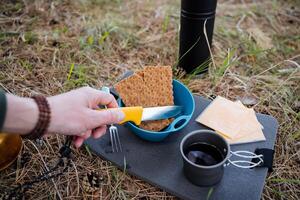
pixel 21 115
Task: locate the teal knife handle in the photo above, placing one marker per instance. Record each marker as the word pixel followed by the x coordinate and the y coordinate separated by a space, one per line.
pixel 105 89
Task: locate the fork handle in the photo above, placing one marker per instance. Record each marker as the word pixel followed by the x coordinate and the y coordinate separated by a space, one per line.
pixel 132 114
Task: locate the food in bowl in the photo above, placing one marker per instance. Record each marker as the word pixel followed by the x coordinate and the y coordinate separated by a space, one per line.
pixel 182 97
pixel 149 87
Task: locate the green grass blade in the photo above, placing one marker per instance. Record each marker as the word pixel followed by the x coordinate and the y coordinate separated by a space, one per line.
pixel 284 180
pixel 209 193
pixel 103 37
pixel 70 71
pixel 166 23
pixel 87 148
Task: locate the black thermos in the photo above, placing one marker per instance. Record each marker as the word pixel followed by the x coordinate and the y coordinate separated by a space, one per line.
pixel 193 48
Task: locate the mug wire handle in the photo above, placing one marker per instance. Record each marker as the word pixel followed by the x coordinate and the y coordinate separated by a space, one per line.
pixel 242 163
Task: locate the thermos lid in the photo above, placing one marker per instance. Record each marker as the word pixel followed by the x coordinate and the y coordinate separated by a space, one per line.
pixel 201 7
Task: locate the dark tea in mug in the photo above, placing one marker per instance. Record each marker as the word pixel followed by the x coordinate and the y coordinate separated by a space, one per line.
pixel 203 154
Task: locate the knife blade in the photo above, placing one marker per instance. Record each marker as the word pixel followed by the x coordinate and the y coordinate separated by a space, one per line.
pixel 163 112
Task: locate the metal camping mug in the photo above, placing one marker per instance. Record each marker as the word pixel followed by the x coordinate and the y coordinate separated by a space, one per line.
pixel 208 175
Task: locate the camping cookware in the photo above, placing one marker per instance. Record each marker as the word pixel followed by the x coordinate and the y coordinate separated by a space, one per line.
pixel 205 154
pixel 196 32
pixel 182 97
pixel 10 147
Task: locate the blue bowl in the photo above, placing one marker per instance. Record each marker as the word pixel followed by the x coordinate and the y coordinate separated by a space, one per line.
pixel 182 97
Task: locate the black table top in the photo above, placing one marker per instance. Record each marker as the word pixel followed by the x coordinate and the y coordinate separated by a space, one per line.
pixel 160 164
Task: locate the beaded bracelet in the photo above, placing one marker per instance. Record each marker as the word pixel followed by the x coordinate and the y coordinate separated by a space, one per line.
pixel 43 121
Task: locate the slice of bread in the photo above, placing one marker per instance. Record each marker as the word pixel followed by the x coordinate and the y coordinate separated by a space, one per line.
pixel 149 87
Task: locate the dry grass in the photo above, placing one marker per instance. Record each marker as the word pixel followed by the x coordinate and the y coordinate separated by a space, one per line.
pixel 49 47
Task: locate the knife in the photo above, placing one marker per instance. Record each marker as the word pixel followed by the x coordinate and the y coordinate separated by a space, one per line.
pixel 138 114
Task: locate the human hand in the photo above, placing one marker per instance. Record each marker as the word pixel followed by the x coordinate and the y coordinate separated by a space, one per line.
pixel 73 113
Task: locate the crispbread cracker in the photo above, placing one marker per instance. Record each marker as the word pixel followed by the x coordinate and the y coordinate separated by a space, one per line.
pixel 159 83
pixel 131 93
pixel 156 125
pixel 149 87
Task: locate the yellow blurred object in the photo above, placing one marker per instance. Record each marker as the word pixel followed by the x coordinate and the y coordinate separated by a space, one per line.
pixel 133 114
pixel 10 147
